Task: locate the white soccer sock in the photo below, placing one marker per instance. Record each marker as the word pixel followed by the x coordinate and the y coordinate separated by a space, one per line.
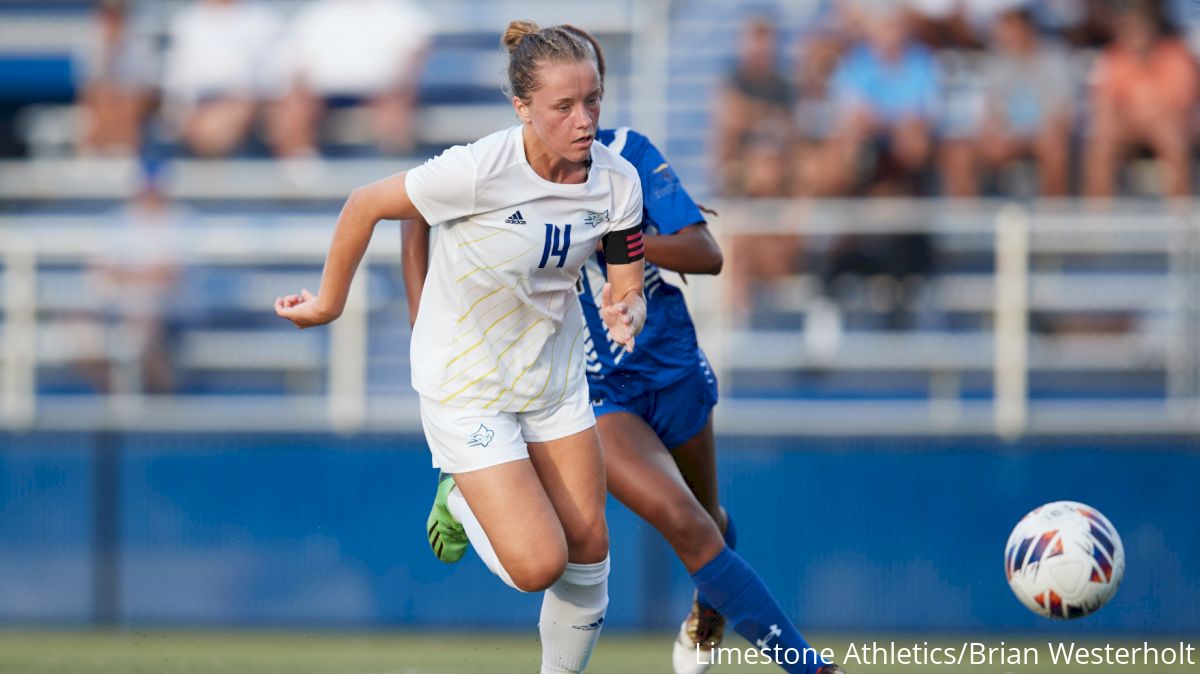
pixel 572 614
pixel 479 540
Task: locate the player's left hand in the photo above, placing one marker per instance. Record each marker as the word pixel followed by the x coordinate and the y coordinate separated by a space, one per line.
pixel 302 310
pixel 618 318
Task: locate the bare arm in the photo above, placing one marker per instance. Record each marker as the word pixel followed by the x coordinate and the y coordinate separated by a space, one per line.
pixel 414 252
pixel 385 199
pixel 622 303
pixel 691 250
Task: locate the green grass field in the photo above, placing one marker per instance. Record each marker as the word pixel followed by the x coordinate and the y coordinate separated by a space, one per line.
pixel 410 653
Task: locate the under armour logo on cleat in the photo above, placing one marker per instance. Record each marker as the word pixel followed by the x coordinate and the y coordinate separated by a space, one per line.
pixel 515 219
pixel 481 437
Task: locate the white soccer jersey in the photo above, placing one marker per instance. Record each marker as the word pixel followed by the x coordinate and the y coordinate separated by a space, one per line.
pixel 499 325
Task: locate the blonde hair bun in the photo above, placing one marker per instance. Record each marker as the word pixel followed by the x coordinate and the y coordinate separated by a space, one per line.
pixel 517 31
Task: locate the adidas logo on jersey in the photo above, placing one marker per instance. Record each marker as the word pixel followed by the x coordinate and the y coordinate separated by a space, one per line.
pixel 515 219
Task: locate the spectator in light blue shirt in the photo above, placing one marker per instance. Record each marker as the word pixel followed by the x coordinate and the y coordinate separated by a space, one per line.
pixel 886 90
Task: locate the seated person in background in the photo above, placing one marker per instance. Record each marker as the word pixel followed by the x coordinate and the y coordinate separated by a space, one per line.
pixel 1028 90
pixel 1144 94
pixel 944 24
pixel 886 91
pixel 753 120
pixel 117 82
pixel 815 60
pixel 135 281
pixel 217 66
pixel 368 52
pixel 754 133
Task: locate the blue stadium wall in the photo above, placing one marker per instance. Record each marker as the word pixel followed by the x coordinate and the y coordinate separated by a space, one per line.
pixel 317 530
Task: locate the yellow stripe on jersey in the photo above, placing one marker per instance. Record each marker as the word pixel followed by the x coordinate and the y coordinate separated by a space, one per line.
pixel 469 384
pixel 661 167
pixel 514 382
pixel 484 238
pixel 521 376
pixel 476 303
pixel 551 372
pixel 449 377
pixel 567 381
pixel 528 348
pixel 480 315
pixel 481 337
pixel 464 277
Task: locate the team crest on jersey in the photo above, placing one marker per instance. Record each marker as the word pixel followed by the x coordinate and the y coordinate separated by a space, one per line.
pixel 593 218
pixel 482 437
pixel 515 219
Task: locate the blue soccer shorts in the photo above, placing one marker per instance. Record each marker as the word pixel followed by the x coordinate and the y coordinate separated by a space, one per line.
pixel 676 412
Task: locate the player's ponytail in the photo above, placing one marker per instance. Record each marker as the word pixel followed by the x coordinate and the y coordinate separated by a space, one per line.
pixel 529 47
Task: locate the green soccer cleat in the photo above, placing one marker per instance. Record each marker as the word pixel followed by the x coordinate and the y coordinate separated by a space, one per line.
pixel 447 538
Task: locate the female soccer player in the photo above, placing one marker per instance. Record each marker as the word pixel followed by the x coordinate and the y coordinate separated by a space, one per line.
pixel 654 414
pixel 497 349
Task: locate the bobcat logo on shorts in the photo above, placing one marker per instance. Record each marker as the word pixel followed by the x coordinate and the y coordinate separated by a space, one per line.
pixel 481 437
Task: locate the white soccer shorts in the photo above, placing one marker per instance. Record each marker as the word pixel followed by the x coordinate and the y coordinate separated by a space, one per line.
pixel 463 439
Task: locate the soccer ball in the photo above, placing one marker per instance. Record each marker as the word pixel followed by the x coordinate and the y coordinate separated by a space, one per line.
pixel 1064 560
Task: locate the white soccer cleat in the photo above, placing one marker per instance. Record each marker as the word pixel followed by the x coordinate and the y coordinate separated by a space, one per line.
pixel 701 631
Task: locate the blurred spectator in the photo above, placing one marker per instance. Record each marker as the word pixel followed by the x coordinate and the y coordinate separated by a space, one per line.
pixel 134 281
pixel 1084 23
pixel 1144 92
pixel 754 136
pixel 945 23
pixel 1028 90
pixel 816 59
pixel 353 52
pixel 753 121
pixel 118 82
pixel 218 70
pixel 1185 14
pixel 886 90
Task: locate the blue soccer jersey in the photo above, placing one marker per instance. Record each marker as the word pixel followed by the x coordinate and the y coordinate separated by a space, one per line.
pixel 666 349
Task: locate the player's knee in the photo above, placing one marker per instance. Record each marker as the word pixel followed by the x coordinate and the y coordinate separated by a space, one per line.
pixel 537 580
pixel 689 526
pixel 538 572
pixel 589 542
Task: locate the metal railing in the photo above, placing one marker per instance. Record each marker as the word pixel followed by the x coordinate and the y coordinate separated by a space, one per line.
pixel 1004 270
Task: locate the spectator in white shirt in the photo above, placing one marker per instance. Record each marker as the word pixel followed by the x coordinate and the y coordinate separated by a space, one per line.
pixel 352 52
pixel 217 73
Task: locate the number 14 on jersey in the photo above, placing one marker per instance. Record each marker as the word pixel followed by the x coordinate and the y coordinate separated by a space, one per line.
pixel 558 242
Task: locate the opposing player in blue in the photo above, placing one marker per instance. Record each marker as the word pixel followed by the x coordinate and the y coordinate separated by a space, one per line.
pixel 654 413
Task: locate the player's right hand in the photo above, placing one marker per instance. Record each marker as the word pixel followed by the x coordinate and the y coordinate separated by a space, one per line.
pixel 302 310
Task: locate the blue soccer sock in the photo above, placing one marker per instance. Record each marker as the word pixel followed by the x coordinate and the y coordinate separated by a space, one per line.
pixel 731 543
pixel 738 593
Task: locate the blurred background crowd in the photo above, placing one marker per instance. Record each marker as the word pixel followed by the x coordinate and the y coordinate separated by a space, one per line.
pixel 228 77
pixel 952 98
pixel 957 99
pixel 276 107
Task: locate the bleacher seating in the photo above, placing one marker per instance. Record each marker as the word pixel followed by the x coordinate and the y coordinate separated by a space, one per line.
pixel 260 228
